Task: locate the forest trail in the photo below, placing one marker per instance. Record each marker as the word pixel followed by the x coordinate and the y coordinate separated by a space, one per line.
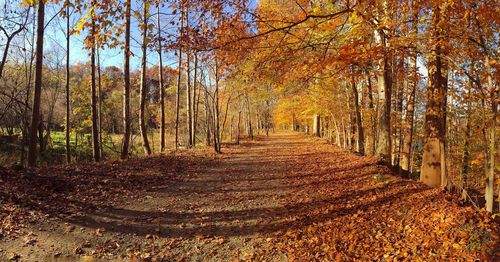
pixel 278 198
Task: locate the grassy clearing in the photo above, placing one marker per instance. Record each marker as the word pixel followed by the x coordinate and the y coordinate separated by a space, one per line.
pixel 81 147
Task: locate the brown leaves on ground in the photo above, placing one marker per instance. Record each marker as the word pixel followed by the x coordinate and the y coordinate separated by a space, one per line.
pixel 64 191
pixel 283 197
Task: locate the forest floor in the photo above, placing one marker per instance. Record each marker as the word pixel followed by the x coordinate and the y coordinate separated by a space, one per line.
pixel 277 198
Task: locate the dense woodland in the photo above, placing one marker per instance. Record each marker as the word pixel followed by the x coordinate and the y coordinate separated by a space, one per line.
pixel 412 83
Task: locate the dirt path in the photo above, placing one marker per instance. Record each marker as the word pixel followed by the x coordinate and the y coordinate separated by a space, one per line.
pixel 278 198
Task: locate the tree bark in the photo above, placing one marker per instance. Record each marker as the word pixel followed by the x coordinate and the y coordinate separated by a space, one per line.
pixel 126 86
pixel 316 125
pixel 249 119
pixel 160 77
pixel 178 94
pixel 433 166
pixel 238 128
pixel 410 107
pixel 217 133
pixel 371 108
pixel 99 97
pixel 466 157
pixel 357 113
pixel 93 103
pixel 383 147
pixel 67 127
pixel 207 118
pixel 144 88
pixel 189 109
pixel 196 100
pixel 492 148
pixel 32 153
pixel 189 100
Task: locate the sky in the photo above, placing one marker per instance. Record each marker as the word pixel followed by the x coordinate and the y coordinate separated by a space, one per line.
pixel 114 57
pixel 108 57
pixel 55 38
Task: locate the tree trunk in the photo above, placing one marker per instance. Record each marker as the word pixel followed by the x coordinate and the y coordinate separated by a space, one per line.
pixel 144 87
pixel 196 100
pixel 217 133
pixel 383 147
pixel 27 100
pixel 410 107
pixel 357 113
pixel 344 135
pixel 93 103
pixel 238 128
pixel 160 77
pixel 126 86
pixel 178 94
pixel 249 120
pixel 399 87
pixel 207 118
pixel 492 148
pixel 433 166
pixel 189 100
pixel 466 157
pixel 371 107
pixel 67 127
pixel 32 154
pixel 189 113
pixel 316 125
pixel 99 97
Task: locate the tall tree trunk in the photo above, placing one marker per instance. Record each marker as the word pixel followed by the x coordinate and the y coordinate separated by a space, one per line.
pixel 189 109
pixel 410 106
pixel 144 88
pixel 67 127
pixel 383 147
pixel 32 154
pixel 225 114
pixel 238 128
pixel 189 99
pixel 399 87
pixel 99 97
pixel 344 134
pixel 93 103
pixel 27 99
pixel 126 87
pixel 466 157
pixel 357 113
pixel 178 94
pixel 217 133
pixel 492 148
pixel 316 125
pixel 160 76
pixel 337 131
pixel 433 164
pixel 196 100
pixel 249 119
pixel 371 109
pixel 207 118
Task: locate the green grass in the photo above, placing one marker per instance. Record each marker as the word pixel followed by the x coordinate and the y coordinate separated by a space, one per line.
pixel 81 150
